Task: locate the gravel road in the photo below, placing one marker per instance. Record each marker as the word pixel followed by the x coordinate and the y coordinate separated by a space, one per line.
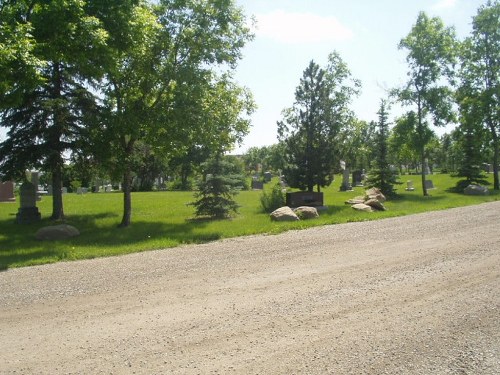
pixel 412 295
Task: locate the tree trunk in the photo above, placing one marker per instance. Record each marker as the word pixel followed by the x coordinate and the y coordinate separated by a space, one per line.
pixel 57 202
pixel 127 198
pixel 496 184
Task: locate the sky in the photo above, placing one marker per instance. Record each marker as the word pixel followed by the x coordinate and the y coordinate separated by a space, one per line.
pixel 366 33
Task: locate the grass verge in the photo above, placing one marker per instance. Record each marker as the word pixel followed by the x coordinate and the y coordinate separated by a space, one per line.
pixel 163 220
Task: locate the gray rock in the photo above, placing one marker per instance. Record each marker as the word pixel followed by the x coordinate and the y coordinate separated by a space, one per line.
pixel 362 207
pixel 56 232
pixel 375 193
pixel 284 214
pixel 306 212
pixel 355 200
pixel 375 204
pixel 473 189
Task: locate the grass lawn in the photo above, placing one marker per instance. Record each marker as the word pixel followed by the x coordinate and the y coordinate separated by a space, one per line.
pixel 162 219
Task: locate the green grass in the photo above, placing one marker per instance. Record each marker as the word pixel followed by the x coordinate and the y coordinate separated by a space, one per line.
pixel 162 219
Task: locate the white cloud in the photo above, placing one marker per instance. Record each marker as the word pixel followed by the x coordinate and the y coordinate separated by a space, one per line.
pixel 295 28
pixel 444 4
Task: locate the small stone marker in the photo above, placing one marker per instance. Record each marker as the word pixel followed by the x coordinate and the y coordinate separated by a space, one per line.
pixel 79 191
pixel 346 185
pixel 28 212
pixel 64 190
pixel 428 184
pixel 268 176
pixel 409 186
pixel 7 192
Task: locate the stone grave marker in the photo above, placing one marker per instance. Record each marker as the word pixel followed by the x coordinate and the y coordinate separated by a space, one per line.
pixel 268 176
pixel 49 190
pixel 257 185
pixel 64 190
pixel 7 192
pixel 28 212
pixel 346 185
pixel 409 186
pixel 429 184
pixel 79 191
pixel 304 198
pixel 357 178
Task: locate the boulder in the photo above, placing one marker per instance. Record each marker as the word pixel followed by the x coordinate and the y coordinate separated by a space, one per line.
pixel 284 214
pixel 306 212
pixel 355 200
pixel 375 193
pixel 375 204
pixel 473 189
pixel 56 232
pixel 362 207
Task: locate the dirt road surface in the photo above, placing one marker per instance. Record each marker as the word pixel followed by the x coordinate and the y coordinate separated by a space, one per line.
pixel 412 295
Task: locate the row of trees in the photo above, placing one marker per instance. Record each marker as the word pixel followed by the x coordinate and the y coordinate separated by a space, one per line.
pixel 96 81
pixel 449 81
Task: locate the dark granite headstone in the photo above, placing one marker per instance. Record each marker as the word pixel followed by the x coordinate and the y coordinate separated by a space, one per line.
pixel 304 198
pixel 7 192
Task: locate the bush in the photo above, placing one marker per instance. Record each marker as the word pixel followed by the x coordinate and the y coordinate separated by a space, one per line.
pixel 273 200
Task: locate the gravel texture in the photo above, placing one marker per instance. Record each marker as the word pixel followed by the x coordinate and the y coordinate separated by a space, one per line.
pixel 412 295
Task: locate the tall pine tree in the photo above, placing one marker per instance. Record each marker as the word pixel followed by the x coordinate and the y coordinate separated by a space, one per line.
pixel 382 175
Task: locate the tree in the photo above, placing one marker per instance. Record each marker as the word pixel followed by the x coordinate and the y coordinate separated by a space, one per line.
pixel 431 54
pixel 309 129
pixel 356 143
pixel 46 97
pixel 215 198
pixel 160 81
pixel 382 175
pixel 479 90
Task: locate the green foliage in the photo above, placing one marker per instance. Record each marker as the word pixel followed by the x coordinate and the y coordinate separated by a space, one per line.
pixel 431 55
pixel 479 87
pixel 381 175
pixel 272 200
pixel 215 198
pixel 310 128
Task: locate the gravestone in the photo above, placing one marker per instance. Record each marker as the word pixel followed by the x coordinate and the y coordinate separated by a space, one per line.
pixel 427 170
pixel 428 184
pixel 35 179
pixel 49 190
pixel 28 212
pixel 64 190
pixel 7 192
pixel 268 176
pixel 108 189
pixel 257 185
pixel 409 186
pixel 79 191
pixel 346 185
pixel 357 178
pixel 304 198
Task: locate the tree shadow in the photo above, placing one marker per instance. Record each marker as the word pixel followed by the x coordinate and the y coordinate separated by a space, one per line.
pixel 20 246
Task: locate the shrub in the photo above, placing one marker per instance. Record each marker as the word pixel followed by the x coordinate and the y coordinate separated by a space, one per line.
pixel 273 200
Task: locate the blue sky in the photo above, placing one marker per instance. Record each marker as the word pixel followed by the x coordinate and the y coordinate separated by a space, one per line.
pixel 290 33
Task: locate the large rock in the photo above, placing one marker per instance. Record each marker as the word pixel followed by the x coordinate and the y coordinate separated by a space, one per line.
pixel 355 200
pixel 473 189
pixel 362 207
pixel 56 232
pixel 375 204
pixel 284 214
pixel 306 212
pixel 375 193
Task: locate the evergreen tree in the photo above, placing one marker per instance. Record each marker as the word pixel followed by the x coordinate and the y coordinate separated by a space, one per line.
pixel 311 127
pixel 215 198
pixel 381 175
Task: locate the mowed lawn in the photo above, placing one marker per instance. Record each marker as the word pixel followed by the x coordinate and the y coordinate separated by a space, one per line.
pixel 161 220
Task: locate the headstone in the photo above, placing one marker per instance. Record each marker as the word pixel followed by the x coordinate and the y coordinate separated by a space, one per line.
pixel 85 190
pixel 7 192
pixel 108 189
pixel 409 186
pixel 268 176
pixel 304 198
pixel 49 190
pixel 79 191
pixel 257 185
pixel 427 170
pixel 346 185
pixel 357 178
pixel 35 178
pixel 28 212
pixel 428 184
pixel 64 190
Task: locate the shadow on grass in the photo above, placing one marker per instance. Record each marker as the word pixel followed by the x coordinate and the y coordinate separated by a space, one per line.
pixel 19 246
